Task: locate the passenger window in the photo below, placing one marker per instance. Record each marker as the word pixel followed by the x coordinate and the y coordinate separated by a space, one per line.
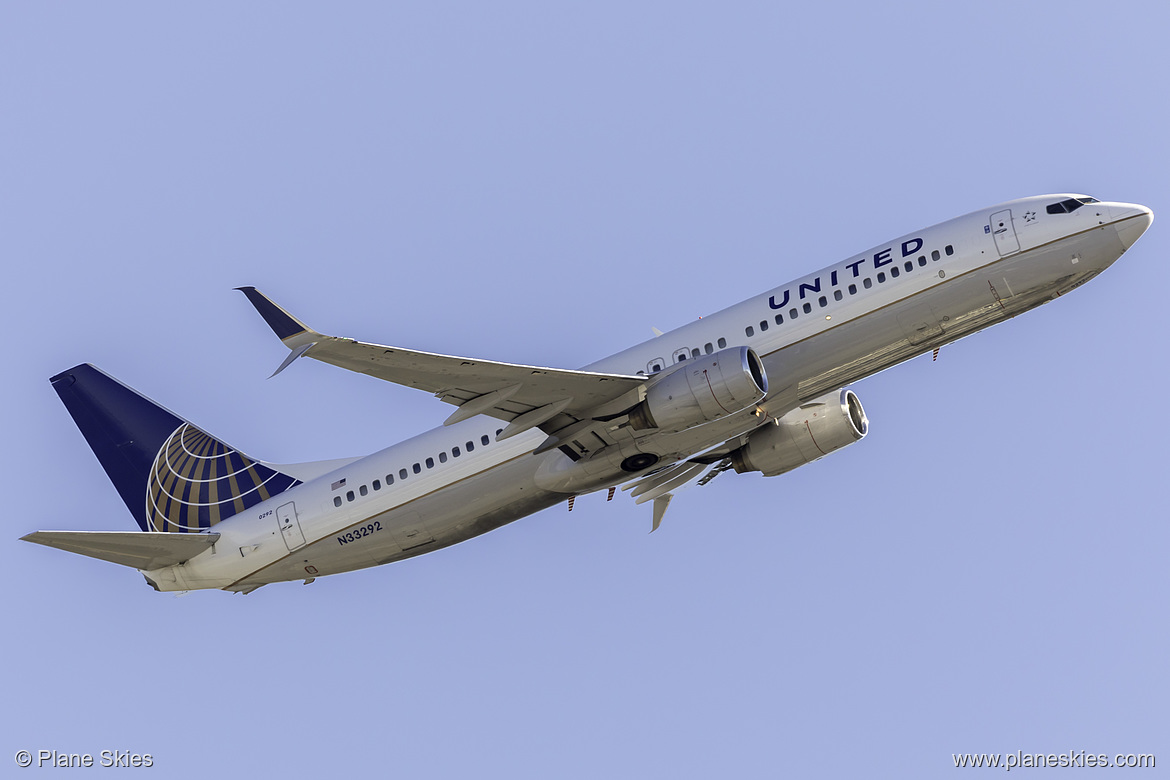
pixel 455 451
pixel 881 276
pixel 722 343
pixel 484 440
pixel 779 318
pixel 416 468
pixel 337 501
pixel 934 255
pixel 950 250
pixel 499 431
pixel 708 347
pixel 909 265
pixel 792 314
pixel 837 295
pixel 442 457
pixel 695 352
pixel 894 272
pixel 430 463
pixel 748 330
pixel 364 490
pixel 823 301
pixel 377 484
pixel 469 446
pixel 922 260
pixel 866 283
pixel 807 308
pixel 763 325
pixel 349 495
pixel 389 480
pixel 853 289
pixel 402 473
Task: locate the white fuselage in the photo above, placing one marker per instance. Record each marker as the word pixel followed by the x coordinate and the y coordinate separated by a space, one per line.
pixel 814 335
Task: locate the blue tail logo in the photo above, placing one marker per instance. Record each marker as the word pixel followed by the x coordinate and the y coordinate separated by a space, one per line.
pixel 172 476
pixel 198 481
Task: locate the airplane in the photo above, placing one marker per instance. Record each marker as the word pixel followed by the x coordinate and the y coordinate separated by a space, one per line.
pixel 761 386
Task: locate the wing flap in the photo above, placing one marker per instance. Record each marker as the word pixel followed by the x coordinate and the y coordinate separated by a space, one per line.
pixel 137 549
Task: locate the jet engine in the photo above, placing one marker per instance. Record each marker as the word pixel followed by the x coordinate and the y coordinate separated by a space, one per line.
pixel 702 389
pixel 803 435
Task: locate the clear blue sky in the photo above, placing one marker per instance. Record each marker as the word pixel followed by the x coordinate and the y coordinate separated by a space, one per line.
pixel 543 183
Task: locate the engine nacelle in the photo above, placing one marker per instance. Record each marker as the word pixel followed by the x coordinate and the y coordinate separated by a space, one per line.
pixel 804 435
pixel 702 389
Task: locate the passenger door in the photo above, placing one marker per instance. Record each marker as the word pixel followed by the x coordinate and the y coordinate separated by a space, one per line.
pixel 1004 232
pixel 290 526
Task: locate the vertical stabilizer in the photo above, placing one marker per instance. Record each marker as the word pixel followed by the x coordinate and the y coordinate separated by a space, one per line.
pixel 171 475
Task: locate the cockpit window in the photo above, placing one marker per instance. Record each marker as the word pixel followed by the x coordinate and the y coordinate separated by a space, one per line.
pixel 1070 205
pixel 1065 206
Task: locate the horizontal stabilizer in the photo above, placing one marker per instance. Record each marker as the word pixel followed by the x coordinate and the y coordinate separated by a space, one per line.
pixel 138 549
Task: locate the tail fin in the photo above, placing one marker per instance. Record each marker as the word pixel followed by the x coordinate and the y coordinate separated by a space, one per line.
pixel 171 475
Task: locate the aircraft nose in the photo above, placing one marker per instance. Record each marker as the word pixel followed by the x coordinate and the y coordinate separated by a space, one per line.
pixel 1130 220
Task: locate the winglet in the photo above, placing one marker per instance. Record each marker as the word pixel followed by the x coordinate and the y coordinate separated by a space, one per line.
pixel 287 328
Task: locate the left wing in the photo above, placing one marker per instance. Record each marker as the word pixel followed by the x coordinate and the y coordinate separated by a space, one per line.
pixel 524 396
